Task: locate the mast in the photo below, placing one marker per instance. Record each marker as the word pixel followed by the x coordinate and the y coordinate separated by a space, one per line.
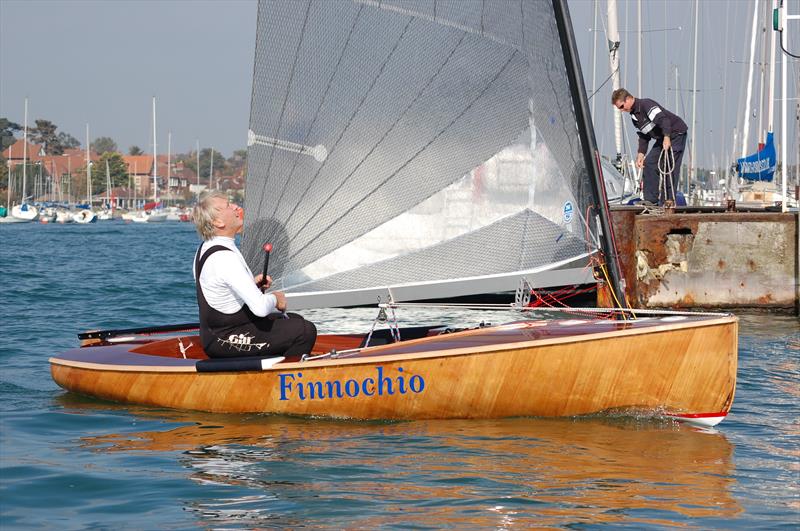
pixel 8 188
pixel 169 163
pixel 108 186
pixel 723 151
pixel 695 136
pixel 782 14
pixel 88 171
pixel 594 55
pixel 588 142
pixel 197 152
pixel 155 156
pixel 746 127
pixel 771 96
pixel 639 50
pixel 613 57
pixel 24 154
pixel 211 170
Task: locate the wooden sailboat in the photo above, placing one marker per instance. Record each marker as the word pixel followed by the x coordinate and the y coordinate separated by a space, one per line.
pixel 369 146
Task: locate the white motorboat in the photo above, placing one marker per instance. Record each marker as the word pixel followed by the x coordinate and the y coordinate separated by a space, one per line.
pixel 149 217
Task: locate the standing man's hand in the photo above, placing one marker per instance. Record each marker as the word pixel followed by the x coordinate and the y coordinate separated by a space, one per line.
pixel 667 143
pixel 640 160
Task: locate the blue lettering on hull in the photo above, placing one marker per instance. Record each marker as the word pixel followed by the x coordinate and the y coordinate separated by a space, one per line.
pixel 293 386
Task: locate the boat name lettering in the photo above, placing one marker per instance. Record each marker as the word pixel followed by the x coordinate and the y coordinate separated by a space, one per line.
pixel 293 386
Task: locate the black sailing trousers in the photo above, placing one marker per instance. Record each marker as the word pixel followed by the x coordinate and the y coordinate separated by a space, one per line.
pixel 651 176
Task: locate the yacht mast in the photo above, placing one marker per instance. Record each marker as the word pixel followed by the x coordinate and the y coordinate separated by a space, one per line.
pixel 746 127
pixel 588 144
pixel 695 136
pixel 613 57
pixel 594 55
pixel 169 162
pixel 24 154
pixel 639 51
pixel 197 152
pixel 771 96
pixel 155 156
pixel 88 171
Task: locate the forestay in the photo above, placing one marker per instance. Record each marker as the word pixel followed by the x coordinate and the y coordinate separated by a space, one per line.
pixel 425 146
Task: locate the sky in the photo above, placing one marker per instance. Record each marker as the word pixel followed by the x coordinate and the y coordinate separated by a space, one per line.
pixel 101 63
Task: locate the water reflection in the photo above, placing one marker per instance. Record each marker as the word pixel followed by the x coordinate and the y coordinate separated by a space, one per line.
pixel 279 471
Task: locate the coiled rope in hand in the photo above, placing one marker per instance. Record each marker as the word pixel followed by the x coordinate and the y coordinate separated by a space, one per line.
pixel 666 165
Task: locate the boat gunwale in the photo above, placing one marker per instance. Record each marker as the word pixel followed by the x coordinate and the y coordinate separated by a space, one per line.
pixel 375 356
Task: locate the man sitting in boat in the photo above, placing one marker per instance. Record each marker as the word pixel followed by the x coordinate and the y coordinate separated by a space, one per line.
pixel 236 318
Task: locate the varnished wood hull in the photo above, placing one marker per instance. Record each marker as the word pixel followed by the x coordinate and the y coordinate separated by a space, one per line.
pixel 686 369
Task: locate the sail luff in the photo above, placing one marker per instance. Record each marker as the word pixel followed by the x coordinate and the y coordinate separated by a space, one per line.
pixel 588 143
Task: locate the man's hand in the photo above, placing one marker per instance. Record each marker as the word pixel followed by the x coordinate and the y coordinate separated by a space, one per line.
pixel 640 160
pixel 667 143
pixel 262 283
pixel 281 300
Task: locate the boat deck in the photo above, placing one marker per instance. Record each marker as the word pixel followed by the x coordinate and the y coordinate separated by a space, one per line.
pixel 166 354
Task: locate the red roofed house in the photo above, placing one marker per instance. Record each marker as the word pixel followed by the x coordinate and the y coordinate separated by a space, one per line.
pixel 58 167
pixel 140 168
pixel 15 154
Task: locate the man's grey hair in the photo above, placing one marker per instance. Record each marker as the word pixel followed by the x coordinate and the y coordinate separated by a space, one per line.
pixel 204 213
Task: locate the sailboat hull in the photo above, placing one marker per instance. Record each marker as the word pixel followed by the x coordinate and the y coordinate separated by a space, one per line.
pixel 686 370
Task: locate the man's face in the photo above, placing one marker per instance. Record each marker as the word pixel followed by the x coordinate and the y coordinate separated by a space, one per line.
pixel 228 216
pixel 624 105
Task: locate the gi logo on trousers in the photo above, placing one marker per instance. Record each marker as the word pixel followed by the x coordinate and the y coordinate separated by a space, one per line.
pixel 242 343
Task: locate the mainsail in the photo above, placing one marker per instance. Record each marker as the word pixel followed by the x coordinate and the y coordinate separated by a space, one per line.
pixel 430 147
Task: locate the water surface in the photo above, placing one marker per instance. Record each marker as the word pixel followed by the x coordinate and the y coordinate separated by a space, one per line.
pixel 70 462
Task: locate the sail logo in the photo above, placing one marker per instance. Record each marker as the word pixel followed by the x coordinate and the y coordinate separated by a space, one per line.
pixel 568 211
pixel 293 386
pixel 757 166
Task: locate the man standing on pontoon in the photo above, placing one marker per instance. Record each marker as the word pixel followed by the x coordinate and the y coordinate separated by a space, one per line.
pixel 236 318
pixel 654 122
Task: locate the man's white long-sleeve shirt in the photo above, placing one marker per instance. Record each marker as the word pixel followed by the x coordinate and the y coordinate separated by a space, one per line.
pixel 227 281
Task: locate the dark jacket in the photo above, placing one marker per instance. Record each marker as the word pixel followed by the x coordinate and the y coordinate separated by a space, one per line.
pixel 654 122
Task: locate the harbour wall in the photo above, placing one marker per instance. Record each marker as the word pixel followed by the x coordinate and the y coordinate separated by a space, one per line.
pixel 708 260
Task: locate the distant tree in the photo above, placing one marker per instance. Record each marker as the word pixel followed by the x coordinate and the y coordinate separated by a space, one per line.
pixel 102 145
pixel 3 173
pixel 135 150
pixel 205 162
pixel 117 170
pixel 189 160
pixel 44 134
pixel 67 141
pixel 7 130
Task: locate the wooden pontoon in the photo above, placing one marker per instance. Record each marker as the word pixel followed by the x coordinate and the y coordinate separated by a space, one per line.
pixel 681 366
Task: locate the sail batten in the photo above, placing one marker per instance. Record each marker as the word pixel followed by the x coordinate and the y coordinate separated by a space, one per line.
pixel 367 117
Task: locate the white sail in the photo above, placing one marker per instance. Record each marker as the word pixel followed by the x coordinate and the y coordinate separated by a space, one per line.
pixel 451 152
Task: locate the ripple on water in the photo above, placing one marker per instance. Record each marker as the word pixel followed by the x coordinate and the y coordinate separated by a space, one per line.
pixel 95 464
